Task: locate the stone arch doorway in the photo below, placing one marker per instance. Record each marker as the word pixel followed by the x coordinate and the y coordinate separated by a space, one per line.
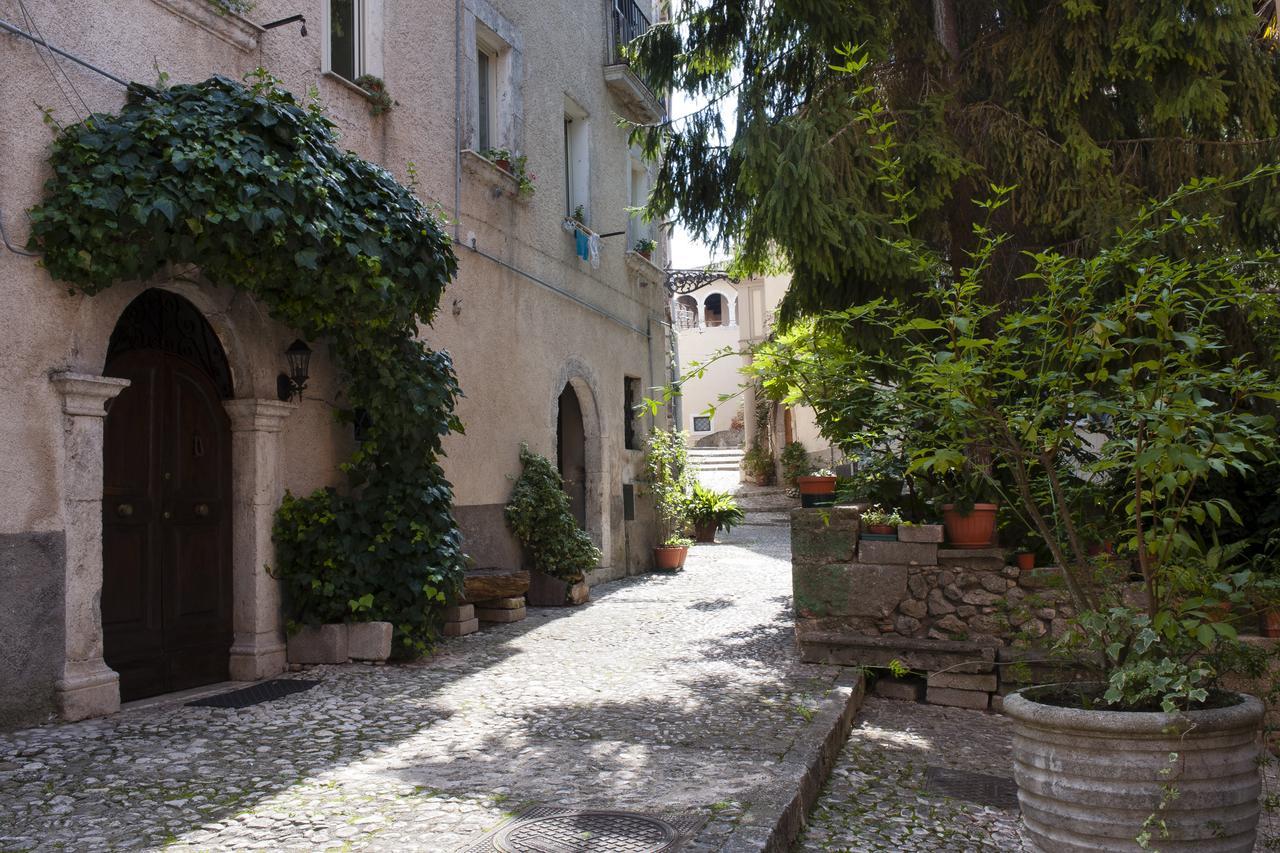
pixel 571 452
pixel 166 506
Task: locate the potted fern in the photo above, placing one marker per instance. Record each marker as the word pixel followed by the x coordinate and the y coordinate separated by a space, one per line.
pixel 560 551
pixel 710 511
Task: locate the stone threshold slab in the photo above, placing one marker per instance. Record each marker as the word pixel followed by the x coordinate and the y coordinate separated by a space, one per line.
pixel 777 812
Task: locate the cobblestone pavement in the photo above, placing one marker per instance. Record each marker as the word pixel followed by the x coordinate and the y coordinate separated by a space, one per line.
pixel 875 798
pixel 675 693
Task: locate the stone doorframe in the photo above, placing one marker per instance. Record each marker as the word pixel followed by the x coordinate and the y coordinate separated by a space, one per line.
pixel 580 378
pixel 87 687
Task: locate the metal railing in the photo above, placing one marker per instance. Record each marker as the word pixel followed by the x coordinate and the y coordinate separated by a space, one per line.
pixel 629 23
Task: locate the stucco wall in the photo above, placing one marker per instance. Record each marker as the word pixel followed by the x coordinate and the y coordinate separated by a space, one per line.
pixel 721 377
pixel 515 341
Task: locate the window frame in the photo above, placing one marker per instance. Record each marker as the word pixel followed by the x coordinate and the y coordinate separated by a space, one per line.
pixel 359 19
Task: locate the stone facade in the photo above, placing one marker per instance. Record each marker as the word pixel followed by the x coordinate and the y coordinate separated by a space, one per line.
pixel 524 319
pixel 960 616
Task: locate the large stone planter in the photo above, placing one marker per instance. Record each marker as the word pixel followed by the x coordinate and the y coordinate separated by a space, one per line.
pixel 319 644
pixel 1087 780
pixel 548 591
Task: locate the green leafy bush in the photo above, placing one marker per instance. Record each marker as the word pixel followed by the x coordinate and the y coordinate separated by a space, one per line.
pixel 758 462
pixel 540 515
pixel 670 483
pixel 252 190
pixel 795 462
pixel 707 506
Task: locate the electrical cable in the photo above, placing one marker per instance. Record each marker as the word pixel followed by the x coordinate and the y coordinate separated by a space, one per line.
pixel 4 237
pixel 31 22
pixel 26 20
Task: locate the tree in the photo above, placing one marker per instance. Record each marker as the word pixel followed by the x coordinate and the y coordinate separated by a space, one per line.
pixel 1087 107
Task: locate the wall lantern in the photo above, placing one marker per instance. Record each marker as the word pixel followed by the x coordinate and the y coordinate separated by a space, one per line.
pixel 292 384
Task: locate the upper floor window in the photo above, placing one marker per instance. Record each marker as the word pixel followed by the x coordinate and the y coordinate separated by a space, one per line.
pixel 486 97
pixel 346 38
pixel 577 175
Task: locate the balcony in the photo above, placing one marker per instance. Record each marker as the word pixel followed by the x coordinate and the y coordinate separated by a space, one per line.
pixel 628 22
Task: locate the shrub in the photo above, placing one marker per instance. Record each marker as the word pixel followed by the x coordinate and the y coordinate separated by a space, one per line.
pixel 539 514
pixel 795 462
pixel 707 506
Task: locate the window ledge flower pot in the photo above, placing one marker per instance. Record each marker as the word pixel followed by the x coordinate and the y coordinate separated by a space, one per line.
pixel 975 528
pixel 1088 779
pixel 669 558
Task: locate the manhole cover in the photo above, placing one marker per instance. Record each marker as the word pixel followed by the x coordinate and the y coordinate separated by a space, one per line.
pixel 264 692
pixel 997 791
pixel 544 829
pixel 615 832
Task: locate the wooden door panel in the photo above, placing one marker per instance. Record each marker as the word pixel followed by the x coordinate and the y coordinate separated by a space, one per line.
pixel 166 527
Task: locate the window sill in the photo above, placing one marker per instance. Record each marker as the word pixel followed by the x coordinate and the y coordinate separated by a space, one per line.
pixel 488 172
pixel 228 26
pixel 643 271
pixel 347 84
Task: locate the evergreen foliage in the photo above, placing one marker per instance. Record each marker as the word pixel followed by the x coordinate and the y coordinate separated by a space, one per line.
pixel 252 189
pixel 540 515
pixel 1087 107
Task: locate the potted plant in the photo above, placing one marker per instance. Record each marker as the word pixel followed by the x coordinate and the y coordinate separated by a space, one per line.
pixel 710 511
pixel 375 88
pixel 795 462
pixel 818 488
pixel 670 483
pixel 500 157
pixel 881 524
pixel 645 247
pixel 1111 375
pixel 757 464
pixel 560 551
pixel 1026 560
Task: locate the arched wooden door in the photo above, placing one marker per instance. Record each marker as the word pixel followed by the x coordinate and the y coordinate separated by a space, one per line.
pixel 571 450
pixel 166 533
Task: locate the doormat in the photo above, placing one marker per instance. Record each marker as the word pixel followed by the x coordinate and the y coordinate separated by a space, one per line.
pixel 277 688
pixel 997 791
pixel 544 829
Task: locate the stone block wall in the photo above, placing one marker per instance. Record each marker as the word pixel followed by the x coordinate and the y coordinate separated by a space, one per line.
pixel 947 612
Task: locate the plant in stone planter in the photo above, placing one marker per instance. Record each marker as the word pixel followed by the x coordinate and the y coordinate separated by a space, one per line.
pixel 671 483
pixel 645 247
pixel 710 511
pixel 541 518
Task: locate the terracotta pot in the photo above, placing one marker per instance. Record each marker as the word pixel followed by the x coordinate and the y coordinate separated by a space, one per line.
pixel 705 532
pixel 648 256
pixel 816 485
pixel 882 529
pixel 669 558
pixel 973 529
pixel 1026 560
pixel 1270 620
pixel 504 165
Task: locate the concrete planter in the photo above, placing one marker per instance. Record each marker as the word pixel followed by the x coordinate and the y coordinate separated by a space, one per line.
pixel 369 640
pixel 548 591
pixel 921 533
pixel 1087 780
pixel 319 644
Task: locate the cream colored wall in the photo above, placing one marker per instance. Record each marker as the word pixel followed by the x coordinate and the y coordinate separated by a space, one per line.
pixel 721 377
pixel 514 341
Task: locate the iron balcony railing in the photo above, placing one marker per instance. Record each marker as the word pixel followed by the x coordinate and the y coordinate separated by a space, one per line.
pixel 629 23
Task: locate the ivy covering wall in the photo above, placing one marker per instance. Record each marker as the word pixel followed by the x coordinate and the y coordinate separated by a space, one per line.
pixel 252 188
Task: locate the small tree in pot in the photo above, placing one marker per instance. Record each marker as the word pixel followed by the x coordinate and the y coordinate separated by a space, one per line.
pixel 540 515
pixel 670 483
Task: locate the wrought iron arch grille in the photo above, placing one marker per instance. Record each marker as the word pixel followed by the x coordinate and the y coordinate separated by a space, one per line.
pixel 160 320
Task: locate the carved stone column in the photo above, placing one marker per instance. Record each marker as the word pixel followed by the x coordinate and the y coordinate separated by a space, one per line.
pixel 258 649
pixel 87 687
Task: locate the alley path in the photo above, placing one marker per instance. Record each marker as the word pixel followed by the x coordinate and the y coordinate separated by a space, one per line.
pixel 667 693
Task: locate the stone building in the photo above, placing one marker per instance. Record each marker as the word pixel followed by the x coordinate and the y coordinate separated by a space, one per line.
pixel 550 348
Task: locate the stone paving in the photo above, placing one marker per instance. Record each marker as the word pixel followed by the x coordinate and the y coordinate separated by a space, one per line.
pixel 673 693
pixel 875 798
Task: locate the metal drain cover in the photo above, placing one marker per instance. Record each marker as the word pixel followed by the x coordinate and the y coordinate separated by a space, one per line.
pixel 545 829
pixel 997 791
pixel 578 832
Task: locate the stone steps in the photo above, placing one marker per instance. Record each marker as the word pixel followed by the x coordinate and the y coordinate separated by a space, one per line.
pixel 715 458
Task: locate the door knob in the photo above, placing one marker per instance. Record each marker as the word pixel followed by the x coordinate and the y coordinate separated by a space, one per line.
pixel 202 510
pixel 124 510
pixel 166 515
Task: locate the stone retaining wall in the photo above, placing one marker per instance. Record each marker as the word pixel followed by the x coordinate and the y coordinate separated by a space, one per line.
pixel 955 615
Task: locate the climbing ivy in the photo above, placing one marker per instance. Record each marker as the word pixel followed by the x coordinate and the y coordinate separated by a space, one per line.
pixel 251 187
pixel 540 514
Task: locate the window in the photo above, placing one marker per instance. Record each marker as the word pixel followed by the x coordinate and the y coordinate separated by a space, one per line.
pixel 576 168
pixel 346 38
pixel 638 193
pixel 486 97
pixel 714 312
pixel 701 423
pixel 631 399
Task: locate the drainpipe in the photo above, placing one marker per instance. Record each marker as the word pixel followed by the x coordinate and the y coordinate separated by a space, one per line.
pixel 457 118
